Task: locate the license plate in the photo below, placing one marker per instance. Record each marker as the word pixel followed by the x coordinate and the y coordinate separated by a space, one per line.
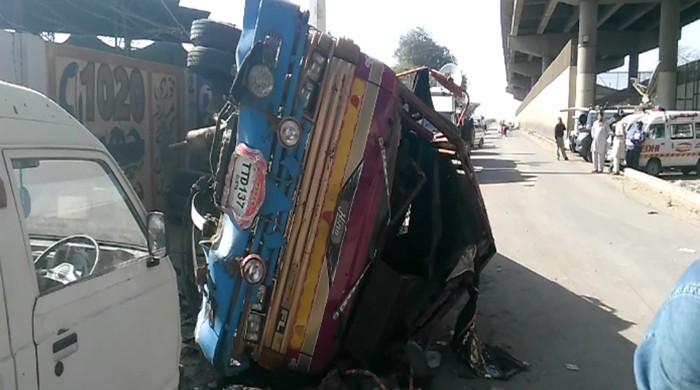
pixel 244 192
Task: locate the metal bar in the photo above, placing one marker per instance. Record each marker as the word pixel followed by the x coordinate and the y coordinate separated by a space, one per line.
pixel 551 6
pixel 641 11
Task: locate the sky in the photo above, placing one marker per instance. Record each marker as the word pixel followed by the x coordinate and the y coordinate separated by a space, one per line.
pixel 471 29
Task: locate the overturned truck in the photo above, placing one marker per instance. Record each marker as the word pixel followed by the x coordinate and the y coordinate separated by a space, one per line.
pixel 333 227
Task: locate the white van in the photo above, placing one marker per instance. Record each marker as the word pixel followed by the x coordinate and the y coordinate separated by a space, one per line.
pixel 672 140
pixel 88 298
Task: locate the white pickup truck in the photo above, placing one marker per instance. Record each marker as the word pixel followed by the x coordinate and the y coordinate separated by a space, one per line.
pixel 88 296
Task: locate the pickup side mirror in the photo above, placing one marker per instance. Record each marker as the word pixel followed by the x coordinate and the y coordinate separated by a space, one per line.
pixel 157 237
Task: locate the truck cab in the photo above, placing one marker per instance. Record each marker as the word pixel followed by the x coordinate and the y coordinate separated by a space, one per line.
pixel 88 297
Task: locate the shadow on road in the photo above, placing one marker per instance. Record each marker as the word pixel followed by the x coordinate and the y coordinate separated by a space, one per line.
pixel 499 171
pixel 519 309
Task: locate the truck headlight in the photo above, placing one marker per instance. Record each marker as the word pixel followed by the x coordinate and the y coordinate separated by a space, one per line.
pixel 307 93
pixel 260 81
pixel 289 133
pixel 258 302
pixel 253 325
pixel 316 66
pixel 253 269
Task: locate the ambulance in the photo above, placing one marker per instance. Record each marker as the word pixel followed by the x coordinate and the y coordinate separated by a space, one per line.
pixel 672 141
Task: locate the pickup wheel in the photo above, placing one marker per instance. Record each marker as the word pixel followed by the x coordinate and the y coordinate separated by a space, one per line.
pixel 653 167
pixel 223 36
pixel 210 62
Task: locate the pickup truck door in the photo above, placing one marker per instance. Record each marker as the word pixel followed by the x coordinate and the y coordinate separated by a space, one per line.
pixel 110 323
pixel 9 281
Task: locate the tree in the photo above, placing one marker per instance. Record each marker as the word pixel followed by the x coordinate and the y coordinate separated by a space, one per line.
pixel 418 48
pixel 687 54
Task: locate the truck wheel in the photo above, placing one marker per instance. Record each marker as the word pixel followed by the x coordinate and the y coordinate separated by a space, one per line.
pixel 211 62
pixel 223 36
pixel 653 167
pixel 347 50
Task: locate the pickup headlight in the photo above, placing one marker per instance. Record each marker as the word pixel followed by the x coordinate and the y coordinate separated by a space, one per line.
pixel 289 133
pixel 260 81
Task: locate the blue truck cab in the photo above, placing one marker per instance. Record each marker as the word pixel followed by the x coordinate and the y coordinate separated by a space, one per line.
pixel 274 94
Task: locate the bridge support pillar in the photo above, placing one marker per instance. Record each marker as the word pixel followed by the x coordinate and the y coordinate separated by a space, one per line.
pixel 587 48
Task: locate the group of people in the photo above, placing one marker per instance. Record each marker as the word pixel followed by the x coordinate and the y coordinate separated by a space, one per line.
pixel 626 143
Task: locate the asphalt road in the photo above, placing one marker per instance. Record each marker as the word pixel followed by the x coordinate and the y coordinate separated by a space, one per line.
pixel 582 268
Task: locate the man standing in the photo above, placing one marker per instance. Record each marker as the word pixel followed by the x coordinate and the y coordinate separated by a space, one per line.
pixel 618 146
pixel 635 139
pixel 599 146
pixel 559 130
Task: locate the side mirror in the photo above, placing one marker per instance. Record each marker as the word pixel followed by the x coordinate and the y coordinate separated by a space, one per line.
pixel 157 237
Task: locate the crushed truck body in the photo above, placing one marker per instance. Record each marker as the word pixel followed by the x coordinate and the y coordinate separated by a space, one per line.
pixel 334 226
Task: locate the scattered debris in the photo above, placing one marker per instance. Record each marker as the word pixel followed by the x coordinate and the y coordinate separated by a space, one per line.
pixel 487 361
pixel 652 212
pixel 572 367
pixel 687 250
pixel 369 374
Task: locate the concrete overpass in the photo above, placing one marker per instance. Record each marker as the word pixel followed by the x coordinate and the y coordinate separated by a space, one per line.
pixel 599 35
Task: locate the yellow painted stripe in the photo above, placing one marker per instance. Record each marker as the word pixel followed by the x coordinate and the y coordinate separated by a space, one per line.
pixel 335 185
pixel 357 152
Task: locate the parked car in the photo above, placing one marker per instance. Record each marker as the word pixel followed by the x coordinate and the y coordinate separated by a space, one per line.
pixel 672 141
pixel 580 139
pixel 334 225
pixel 89 296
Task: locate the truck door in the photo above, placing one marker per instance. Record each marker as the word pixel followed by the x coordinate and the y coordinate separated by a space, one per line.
pixel 657 143
pixel 104 316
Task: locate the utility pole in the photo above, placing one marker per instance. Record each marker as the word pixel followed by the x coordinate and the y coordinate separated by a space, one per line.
pixel 318 13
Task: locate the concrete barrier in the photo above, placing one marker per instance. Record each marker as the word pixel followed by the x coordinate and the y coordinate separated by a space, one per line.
pixel 652 190
pixel 661 192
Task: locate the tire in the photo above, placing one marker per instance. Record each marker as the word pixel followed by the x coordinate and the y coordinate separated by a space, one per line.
pixel 208 33
pixel 697 169
pixel 653 167
pixel 588 157
pixel 347 50
pixel 212 63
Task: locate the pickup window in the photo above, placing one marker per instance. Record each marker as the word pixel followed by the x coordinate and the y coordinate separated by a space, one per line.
pixel 74 206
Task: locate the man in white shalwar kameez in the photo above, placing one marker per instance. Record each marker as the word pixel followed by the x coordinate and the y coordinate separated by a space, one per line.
pixel 599 145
